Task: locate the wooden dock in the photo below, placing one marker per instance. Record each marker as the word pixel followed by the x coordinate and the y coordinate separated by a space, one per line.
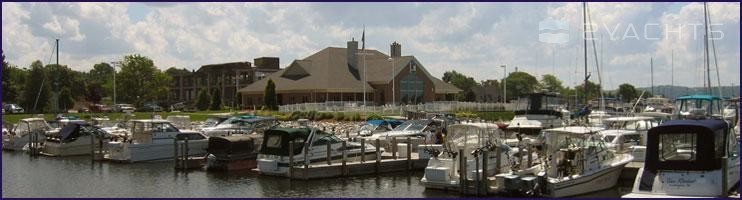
pixel 387 163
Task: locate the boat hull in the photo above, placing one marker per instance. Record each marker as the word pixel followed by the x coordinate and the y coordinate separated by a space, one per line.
pixel 598 181
pixel 127 152
pixel 81 146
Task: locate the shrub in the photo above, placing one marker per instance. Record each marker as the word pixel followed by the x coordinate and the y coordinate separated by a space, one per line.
pixel 339 116
pixel 373 116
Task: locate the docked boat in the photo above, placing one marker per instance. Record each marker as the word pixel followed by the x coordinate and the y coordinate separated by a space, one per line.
pixel 573 161
pixel 538 111
pixel 689 158
pixel 241 125
pixel 235 152
pixel 75 139
pixel 153 140
pixel 473 139
pixel 275 152
pixel 412 128
pixel 21 134
pixel 694 106
pixel 180 121
pixel 378 126
pixel 628 134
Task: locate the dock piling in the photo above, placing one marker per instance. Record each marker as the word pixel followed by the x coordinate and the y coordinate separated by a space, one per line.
pixel 175 152
pixel 409 153
pixel 291 160
pixel 363 150
pixel 306 161
pixel 185 154
pixel 462 171
pixel 498 159
pixel 394 148
pixel 345 156
pixel 485 158
pixel 378 155
pixel 329 154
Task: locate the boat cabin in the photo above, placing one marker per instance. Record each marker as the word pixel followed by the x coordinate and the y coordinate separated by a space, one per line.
pixel 28 125
pixel 539 103
pixel 158 131
pixel 698 107
pixel 276 141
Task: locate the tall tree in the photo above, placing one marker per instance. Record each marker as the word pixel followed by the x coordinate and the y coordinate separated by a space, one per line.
pixel 102 76
pixel 462 82
pixel 551 83
pixel 593 90
pixel 520 83
pixel 269 97
pixel 627 92
pixel 13 80
pixel 202 102
pixel 39 89
pixel 216 100
pixel 140 81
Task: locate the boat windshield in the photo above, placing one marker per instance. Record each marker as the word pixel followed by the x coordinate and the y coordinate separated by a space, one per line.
pixel 707 107
pixel 369 127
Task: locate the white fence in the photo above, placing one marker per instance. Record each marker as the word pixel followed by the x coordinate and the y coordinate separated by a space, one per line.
pixel 436 106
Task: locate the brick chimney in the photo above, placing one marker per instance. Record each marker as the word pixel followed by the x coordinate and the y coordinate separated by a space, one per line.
pixel 396 50
pixel 352 56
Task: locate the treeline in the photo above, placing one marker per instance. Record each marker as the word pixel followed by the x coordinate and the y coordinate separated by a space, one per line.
pixel 137 81
pixel 521 83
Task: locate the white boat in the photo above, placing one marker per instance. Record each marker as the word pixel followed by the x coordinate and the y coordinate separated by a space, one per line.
pixel 631 131
pixel 20 135
pixel 153 140
pixel 597 117
pixel 180 121
pixel 240 125
pixel 275 152
pixel 378 126
pixel 443 169
pixel 412 128
pixel 574 161
pixel 689 158
pixel 75 139
pixel 536 112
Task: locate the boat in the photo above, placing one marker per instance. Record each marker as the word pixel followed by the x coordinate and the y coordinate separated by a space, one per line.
pixel 689 158
pixel 213 121
pixel 180 121
pixel 240 125
pixel 275 152
pixel 153 140
pixel 538 111
pixel 234 152
pixel 658 104
pixel 75 139
pixel 473 139
pixel 573 160
pixel 20 135
pixel 378 126
pixel 629 134
pixel 699 105
pixel 412 128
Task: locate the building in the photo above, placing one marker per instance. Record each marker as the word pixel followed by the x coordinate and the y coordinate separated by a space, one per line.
pixel 225 77
pixel 489 94
pixel 336 74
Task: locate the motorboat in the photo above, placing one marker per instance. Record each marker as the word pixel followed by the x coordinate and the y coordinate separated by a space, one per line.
pixel 309 146
pixel 21 134
pixel 689 158
pixel 213 121
pixel 698 106
pixel 412 128
pixel 573 160
pixel 658 104
pixel 234 152
pixel 180 121
pixel 241 125
pixel 538 111
pixel 153 140
pixel 378 126
pixel 75 139
pixel 596 117
pixel 629 134
pixel 473 139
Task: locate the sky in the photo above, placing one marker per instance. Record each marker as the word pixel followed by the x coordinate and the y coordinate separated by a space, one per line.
pixel 475 39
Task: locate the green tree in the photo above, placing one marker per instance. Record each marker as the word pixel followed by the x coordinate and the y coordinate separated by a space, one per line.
pixel 593 91
pixel 519 84
pixel 490 83
pixel 39 89
pixel 462 82
pixel 66 100
pixel 94 93
pixel 202 102
pixel 102 75
pixel 269 97
pixel 140 81
pixel 551 83
pixel 13 81
pixel 627 92
pixel 216 100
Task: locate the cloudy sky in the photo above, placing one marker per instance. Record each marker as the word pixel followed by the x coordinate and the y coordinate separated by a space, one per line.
pixel 472 38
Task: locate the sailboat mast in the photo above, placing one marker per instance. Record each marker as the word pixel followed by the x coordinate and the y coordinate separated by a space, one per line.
pixel 716 61
pixel 651 72
pixel 584 33
pixel 706 48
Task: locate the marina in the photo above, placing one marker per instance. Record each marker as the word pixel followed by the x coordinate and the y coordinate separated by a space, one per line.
pixel 321 112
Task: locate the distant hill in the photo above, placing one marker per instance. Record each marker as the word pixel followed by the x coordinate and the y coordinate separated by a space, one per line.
pixel 671 92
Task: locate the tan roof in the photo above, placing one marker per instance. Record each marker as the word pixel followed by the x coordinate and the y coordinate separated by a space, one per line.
pixel 328 71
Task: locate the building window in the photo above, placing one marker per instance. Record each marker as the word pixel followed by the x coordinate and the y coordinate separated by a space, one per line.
pixel 413 67
pixel 411 89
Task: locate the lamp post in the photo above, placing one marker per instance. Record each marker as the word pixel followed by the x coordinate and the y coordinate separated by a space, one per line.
pixel 394 68
pixel 363 77
pixel 504 84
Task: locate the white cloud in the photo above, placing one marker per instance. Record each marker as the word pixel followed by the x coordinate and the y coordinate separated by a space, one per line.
pixel 472 38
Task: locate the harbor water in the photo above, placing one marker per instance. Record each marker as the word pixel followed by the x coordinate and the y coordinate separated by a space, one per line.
pixel 25 176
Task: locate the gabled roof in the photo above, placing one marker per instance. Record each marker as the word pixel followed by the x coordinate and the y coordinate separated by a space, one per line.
pixel 328 71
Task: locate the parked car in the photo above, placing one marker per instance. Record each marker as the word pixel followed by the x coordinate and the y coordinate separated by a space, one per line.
pixel 151 108
pixel 100 108
pixel 123 108
pixel 83 110
pixel 177 106
pixel 13 108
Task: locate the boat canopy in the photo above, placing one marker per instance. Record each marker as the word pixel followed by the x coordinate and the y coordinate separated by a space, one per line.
pixel 276 141
pixel 72 130
pixel 540 104
pixel 700 96
pixel 232 146
pixel 379 122
pixel 687 145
